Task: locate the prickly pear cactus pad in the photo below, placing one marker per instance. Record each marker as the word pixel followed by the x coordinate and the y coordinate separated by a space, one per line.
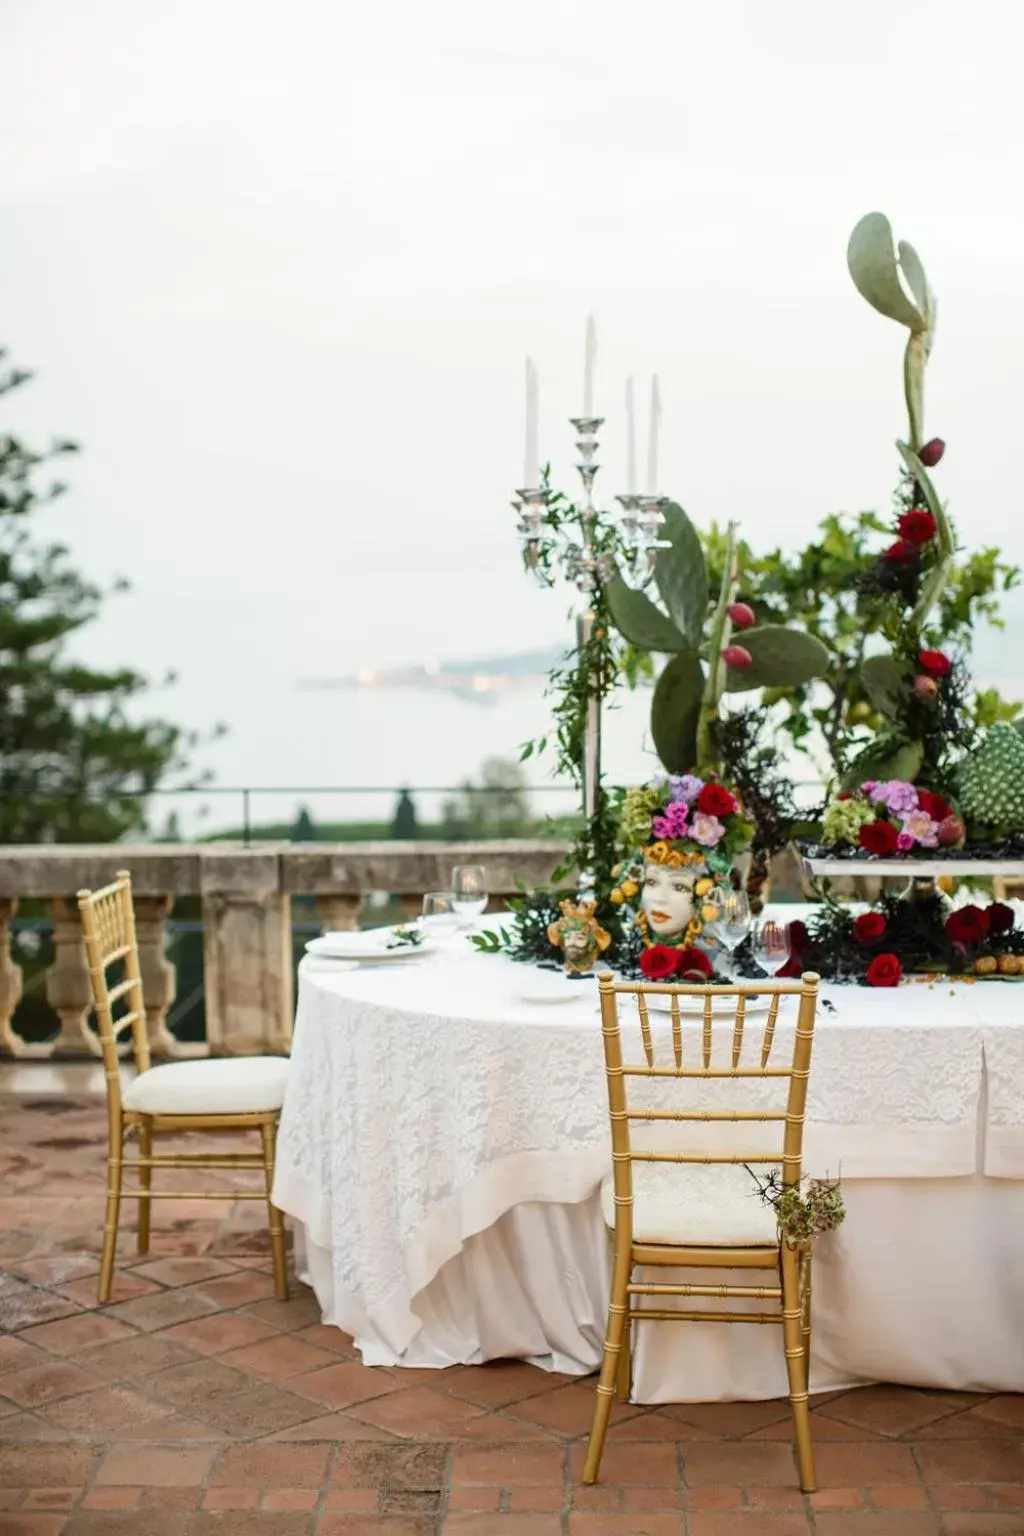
pixel 990 784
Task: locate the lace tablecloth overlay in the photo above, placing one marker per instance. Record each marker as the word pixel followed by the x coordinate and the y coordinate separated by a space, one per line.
pixel 425 1102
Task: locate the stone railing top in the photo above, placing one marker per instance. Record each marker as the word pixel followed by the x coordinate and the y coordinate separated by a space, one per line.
pixel 307 869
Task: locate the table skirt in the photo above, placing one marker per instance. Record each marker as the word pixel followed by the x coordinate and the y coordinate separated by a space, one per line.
pixel 921 1285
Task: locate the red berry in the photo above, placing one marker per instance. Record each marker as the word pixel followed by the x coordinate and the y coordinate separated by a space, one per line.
pixel 925 688
pixel 932 452
pixel 737 656
pixel 742 615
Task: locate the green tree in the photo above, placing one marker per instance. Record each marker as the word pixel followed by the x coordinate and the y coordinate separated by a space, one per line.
pixel 821 589
pixel 303 831
pixel 405 826
pixel 496 806
pixel 73 766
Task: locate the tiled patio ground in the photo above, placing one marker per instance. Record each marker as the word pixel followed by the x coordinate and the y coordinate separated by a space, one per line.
pixel 197 1404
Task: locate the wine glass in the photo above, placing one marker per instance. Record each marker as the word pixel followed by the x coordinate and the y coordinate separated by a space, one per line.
pixel 440 920
pixel 728 917
pixel 469 888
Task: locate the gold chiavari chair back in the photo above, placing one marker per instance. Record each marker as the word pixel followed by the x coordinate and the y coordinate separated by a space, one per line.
pixel 681 1194
pixel 241 1094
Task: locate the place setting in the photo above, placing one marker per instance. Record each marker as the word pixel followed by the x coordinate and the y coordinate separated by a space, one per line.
pixel 439 933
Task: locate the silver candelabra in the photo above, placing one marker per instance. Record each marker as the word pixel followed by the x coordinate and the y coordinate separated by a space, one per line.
pixel 587 566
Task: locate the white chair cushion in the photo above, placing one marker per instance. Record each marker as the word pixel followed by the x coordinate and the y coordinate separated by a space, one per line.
pixel 714 1205
pixel 227 1085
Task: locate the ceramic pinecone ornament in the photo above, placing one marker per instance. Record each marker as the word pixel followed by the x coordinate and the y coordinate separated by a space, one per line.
pixel 990 784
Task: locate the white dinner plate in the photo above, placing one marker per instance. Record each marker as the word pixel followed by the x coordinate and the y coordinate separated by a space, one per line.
pixel 369 946
pixel 549 987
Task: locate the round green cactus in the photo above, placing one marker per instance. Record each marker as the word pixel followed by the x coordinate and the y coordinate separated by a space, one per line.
pixel 990 784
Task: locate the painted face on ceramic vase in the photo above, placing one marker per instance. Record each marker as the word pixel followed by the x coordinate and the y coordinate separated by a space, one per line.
pixel 667 900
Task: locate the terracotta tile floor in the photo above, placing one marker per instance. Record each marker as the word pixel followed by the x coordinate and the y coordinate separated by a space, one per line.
pixel 196 1404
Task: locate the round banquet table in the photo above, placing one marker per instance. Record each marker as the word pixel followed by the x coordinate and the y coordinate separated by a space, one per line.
pixel 443 1140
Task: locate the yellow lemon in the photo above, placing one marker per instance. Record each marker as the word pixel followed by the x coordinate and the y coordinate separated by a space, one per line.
pixel 629 889
pixel 617 898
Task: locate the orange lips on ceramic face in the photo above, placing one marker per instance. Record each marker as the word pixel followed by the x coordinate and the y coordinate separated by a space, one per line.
pixel 658 915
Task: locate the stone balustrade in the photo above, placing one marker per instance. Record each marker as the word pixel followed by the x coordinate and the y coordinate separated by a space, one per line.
pixel 246 895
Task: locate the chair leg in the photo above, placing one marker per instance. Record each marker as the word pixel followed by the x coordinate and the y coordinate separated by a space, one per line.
pixel 797 1364
pixel 277 1244
pixel 145 1182
pixel 618 1308
pixel 624 1379
pixel 115 1176
pixel 806 1319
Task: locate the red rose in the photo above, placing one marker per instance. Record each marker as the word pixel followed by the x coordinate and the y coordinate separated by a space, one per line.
pixel 900 553
pixel 715 800
pixel 693 962
pixel 1000 917
pixel 878 837
pixel 916 527
pixel 967 926
pixel 933 805
pixel 935 663
pixel 659 962
pixel 869 927
pixel 884 971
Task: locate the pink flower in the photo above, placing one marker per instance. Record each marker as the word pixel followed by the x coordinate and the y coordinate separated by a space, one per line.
pixel 707 830
pixel 904 842
pixel 920 828
pixel 672 823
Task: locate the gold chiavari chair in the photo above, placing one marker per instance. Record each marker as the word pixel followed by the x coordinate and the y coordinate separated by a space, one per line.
pixel 242 1093
pixel 694 1205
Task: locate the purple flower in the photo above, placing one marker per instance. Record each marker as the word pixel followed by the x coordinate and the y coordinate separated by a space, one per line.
pixel 685 787
pixel 707 830
pixel 869 787
pixel 671 824
pixel 904 842
pixel 902 798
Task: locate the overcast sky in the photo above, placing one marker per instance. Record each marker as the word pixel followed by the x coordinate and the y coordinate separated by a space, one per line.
pixel 277 264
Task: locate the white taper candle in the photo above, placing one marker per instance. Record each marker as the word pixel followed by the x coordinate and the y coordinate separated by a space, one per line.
pixel 652 439
pixel 589 359
pixel 531 458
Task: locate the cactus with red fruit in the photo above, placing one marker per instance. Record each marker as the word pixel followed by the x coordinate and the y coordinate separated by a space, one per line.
pixel 703 663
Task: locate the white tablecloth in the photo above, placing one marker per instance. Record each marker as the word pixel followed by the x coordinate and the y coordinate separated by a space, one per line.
pixel 442 1144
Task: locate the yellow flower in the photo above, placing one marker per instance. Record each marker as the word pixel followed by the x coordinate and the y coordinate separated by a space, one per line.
pixel 617 898
pixel 629 889
pixel 946 883
pixel 658 852
pixel 674 859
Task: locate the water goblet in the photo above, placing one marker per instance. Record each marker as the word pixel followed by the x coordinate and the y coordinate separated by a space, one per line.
pixel 440 921
pixel 728 918
pixel 469 888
